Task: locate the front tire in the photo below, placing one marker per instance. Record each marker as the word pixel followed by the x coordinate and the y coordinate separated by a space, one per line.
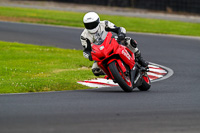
pixel 115 70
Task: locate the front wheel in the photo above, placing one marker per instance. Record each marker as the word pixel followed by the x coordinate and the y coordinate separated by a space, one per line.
pixel 146 84
pixel 123 80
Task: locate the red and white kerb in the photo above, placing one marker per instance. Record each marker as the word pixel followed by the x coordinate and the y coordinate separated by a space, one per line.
pixel 155 72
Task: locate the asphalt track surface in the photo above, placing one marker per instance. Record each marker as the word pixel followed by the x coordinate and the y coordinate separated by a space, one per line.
pixel 172 105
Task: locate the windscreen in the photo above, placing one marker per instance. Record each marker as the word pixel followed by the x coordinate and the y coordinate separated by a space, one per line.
pixel 100 37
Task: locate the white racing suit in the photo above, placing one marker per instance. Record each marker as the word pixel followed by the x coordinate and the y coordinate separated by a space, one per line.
pixel 104 27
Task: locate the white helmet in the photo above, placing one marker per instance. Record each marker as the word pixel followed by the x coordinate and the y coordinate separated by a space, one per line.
pixel 91 21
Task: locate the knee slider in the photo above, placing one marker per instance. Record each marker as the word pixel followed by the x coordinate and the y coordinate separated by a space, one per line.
pixel 96 71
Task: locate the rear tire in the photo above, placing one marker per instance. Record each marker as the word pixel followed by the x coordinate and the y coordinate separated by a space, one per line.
pixel 145 85
pixel 116 74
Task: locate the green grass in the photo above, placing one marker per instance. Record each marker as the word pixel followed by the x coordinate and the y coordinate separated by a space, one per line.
pixel 75 19
pixel 31 68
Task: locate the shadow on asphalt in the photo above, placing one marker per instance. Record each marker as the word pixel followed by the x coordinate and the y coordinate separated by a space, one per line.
pixel 112 90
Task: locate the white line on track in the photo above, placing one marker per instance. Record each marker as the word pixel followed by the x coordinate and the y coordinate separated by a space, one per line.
pixel 170 72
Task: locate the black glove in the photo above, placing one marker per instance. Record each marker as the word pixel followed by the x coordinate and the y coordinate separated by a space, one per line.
pixel 87 53
pixel 121 36
pixel 90 57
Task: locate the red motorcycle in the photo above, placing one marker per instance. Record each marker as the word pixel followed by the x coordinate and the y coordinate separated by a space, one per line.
pixel 118 63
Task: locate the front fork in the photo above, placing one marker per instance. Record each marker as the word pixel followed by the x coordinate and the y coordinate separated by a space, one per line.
pixel 136 76
pixel 133 73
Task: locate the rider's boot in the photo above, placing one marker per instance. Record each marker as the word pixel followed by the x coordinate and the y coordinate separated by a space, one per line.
pixel 141 61
pixel 132 45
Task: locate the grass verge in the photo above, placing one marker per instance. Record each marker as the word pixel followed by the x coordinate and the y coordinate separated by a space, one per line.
pixel 31 68
pixel 75 19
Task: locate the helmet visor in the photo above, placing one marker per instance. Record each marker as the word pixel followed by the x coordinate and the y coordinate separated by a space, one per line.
pixel 92 25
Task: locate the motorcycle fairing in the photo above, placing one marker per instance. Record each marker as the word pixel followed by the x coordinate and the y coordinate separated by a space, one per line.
pixel 109 51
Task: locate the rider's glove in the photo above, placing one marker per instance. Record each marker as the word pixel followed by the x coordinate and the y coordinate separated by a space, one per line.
pixel 90 57
pixel 121 36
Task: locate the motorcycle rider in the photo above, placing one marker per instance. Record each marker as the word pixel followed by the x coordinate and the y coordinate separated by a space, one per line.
pixel 95 29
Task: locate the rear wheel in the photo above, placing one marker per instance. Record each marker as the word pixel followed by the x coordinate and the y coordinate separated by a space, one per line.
pixel 123 80
pixel 146 84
